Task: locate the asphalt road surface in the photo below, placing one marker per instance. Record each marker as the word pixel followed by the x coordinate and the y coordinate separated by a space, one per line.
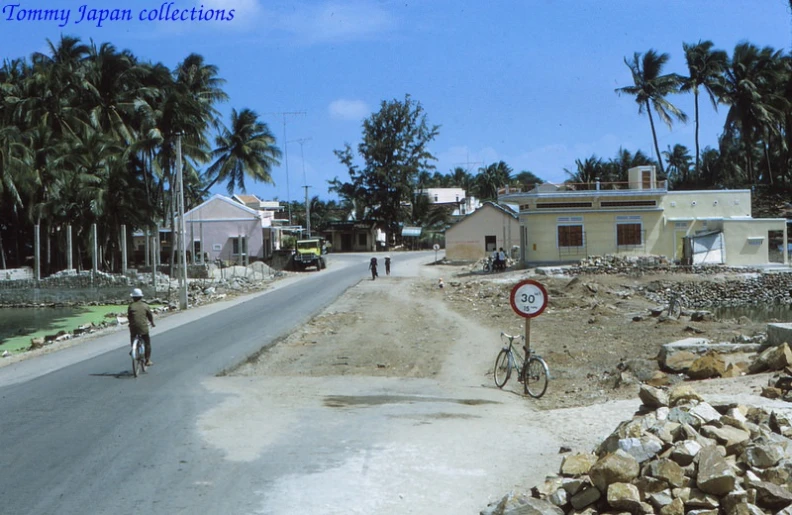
pixel 80 435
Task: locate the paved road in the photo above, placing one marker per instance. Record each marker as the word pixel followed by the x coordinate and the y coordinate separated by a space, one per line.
pixel 81 436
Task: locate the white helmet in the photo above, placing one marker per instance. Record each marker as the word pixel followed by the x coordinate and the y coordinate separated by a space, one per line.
pixel 137 292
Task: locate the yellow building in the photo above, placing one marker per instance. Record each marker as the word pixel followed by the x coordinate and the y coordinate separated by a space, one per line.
pixel 563 223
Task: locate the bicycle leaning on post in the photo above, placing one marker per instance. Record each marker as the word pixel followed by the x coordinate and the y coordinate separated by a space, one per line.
pixel 533 372
pixel 509 358
pixel 528 299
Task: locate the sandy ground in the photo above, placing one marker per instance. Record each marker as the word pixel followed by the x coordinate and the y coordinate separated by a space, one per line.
pixel 406 326
pixel 403 350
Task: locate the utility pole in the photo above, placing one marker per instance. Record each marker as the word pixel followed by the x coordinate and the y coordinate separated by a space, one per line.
pixel 302 141
pixel 286 153
pixel 182 231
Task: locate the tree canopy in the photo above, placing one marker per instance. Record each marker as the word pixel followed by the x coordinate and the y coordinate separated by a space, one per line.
pixel 393 152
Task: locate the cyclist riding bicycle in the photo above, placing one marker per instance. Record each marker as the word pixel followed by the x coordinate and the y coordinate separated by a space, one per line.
pixel 140 316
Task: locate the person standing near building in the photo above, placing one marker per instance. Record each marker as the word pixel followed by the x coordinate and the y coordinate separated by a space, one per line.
pixel 387 265
pixel 140 317
pixel 373 268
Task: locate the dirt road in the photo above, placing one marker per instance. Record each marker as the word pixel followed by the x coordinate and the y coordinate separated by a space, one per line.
pixel 397 374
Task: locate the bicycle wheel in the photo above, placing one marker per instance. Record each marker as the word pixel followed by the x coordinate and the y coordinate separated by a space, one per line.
pixel 502 370
pixel 135 358
pixel 535 377
pixel 142 356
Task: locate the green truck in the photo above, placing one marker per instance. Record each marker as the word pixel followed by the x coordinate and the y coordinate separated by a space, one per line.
pixel 309 252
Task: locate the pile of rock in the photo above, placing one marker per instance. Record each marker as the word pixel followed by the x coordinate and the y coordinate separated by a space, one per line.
pixel 681 455
pixel 766 288
pixel 110 320
pixel 697 358
pixel 631 265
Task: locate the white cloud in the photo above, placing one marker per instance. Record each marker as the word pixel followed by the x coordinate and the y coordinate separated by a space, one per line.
pixel 246 12
pixel 332 21
pixel 348 109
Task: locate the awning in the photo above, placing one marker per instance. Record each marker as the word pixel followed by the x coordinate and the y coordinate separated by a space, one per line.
pixel 411 231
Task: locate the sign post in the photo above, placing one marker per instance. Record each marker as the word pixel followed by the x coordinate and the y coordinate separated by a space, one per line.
pixel 528 299
pixel 436 248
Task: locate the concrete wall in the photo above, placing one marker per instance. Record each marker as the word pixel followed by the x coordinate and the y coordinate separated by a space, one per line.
pixel 747 241
pixel 707 203
pixel 464 241
pixel 599 232
pixel 444 195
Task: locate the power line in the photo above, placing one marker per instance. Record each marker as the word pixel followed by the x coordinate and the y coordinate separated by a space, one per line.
pixel 302 141
pixel 286 153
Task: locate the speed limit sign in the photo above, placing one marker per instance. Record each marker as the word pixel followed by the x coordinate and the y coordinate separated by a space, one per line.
pixel 528 298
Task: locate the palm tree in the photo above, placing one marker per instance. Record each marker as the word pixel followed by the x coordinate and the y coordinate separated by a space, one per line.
pixel 619 165
pixel 491 178
pixel 461 178
pixel 679 162
pixel 650 89
pixel 705 68
pixel 754 104
pixel 113 82
pixel 586 172
pixel 248 149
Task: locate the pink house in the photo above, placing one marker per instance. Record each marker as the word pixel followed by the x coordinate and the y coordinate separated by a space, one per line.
pixel 224 229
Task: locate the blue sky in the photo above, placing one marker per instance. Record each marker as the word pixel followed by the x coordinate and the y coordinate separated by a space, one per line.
pixel 527 82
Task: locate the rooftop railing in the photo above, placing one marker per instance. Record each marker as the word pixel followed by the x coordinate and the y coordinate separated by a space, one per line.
pixel 583 186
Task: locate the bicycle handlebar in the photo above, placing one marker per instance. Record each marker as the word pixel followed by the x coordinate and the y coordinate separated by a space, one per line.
pixel 512 337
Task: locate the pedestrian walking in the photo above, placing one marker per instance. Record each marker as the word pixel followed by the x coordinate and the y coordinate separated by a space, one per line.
pixel 373 268
pixel 387 265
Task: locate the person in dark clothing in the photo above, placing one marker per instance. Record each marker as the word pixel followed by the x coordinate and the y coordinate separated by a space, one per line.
pixel 387 265
pixel 140 316
pixel 373 268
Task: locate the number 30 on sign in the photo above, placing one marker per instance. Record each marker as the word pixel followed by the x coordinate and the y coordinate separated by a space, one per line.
pixel 528 298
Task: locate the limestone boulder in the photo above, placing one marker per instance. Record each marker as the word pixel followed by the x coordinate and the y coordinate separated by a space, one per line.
pixel 642 449
pixel 679 361
pixel 653 398
pixel 774 358
pixel 683 393
pixel 770 496
pixel 715 476
pixel 576 465
pixel 585 497
pixel 667 470
pixel 728 436
pixel 574 485
pixel 763 456
pixel 513 504
pixel 616 467
pixel 660 499
pixel 705 412
pixel 624 496
pixel 707 366
pixel 677 507
pixel 544 490
pixel 684 452
pixel 698 500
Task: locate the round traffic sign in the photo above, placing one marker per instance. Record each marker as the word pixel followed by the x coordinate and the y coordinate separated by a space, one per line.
pixel 528 298
pixel 436 247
